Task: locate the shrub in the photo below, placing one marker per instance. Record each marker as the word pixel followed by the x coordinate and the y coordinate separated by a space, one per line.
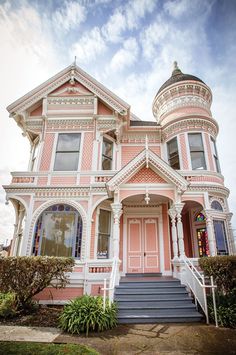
pixel 26 276
pixel 7 305
pixel 223 270
pixel 226 310
pixel 86 314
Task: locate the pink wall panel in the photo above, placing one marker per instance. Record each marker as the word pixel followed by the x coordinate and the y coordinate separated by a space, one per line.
pixel 103 109
pixel 128 153
pixel 84 180
pixel 63 180
pixel 183 149
pixel 87 152
pixel 146 175
pixel 59 294
pixel 47 152
pixel 42 181
pixel 37 111
pixel 156 150
pixel 96 290
pixel 37 204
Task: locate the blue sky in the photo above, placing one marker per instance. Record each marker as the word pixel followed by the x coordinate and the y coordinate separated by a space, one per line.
pixel 127 45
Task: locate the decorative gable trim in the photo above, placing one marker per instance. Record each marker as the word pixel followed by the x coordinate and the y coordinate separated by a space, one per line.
pixel 149 159
pixel 71 73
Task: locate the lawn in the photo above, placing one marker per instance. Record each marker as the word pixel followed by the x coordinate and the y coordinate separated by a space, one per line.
pixel 24 348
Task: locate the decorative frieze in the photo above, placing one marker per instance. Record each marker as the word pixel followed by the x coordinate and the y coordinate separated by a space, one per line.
pixel 185 125
pixel 80 124
pixel 70 101
pixel 141 137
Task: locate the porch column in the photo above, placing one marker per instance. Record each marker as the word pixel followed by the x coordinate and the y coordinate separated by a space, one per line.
pixel 18 233
pixel 172 214
pixel 178 208
pixel 210 233
pixel 230 236
pixel 117 212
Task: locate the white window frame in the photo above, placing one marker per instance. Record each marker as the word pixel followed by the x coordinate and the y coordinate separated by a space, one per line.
pixel 110 140
pixel 204 151
pixel 179 152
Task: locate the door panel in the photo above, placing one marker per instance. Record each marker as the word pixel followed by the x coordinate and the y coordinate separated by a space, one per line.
pixel 142 245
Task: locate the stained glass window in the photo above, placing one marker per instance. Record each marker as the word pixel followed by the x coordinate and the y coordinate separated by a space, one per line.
pixel 203 246
pixel 200 217
pixel 58 232
pixel 216 206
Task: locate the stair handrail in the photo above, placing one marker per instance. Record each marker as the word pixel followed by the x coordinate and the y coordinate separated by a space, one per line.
pixel 112 281
pixel 199 280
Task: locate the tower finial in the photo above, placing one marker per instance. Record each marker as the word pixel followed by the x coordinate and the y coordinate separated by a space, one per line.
pixel 75 60
pixel 175 65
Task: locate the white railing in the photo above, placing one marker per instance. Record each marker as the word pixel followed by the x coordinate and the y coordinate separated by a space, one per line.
pixel 196 282
pixel 112 283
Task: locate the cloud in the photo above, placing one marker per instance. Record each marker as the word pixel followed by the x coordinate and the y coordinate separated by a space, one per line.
pixel 70 16
pixel 126 17
pixel 178 8
pixel 89 46
pixel 125 56
pixel 152 37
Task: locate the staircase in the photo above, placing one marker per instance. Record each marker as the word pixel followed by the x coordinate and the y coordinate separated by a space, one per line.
pixel 151 298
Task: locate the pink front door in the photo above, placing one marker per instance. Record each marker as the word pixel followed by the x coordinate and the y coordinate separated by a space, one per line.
pixel 142 248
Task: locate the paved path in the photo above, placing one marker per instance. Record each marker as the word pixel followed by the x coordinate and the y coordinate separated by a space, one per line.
pixel 146 339
pixel 35 334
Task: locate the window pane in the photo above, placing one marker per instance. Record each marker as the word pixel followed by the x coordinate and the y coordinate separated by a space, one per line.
pixel 195 141
pixel 216 206
pixel 198 160
pixel 107 149
pixel 58 232
pixel 104 221
pixel 66 161
pixel 68 142
pixel 106 163
pixel 103 245
pixel 221 242
pixel 173 154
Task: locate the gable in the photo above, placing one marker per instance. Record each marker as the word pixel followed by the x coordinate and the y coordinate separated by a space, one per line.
pixel 103 109
pixel 146 175
pixel 68 89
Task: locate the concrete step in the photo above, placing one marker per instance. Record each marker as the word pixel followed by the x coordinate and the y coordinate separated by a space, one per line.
pixel 148 284
pixel 151 297
pixel 155 312
pixel 140 274
pixel 153 291
pixel 165 303
pixel 149 289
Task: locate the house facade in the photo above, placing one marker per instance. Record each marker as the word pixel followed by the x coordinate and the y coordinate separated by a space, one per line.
pixel 102 184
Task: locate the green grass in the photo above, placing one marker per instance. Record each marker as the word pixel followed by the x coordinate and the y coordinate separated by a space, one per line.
pixel 25 348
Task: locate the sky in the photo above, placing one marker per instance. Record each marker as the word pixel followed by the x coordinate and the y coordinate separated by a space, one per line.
pixel 129 46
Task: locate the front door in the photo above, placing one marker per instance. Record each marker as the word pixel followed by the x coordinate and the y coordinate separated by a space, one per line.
pixel 142 248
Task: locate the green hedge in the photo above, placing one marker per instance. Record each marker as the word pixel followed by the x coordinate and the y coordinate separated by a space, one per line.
pixel 85 314
pixel 7 305
pixel 25 276
pixel 223 270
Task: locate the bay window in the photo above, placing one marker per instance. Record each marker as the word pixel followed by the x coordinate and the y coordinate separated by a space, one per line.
pixel 67 152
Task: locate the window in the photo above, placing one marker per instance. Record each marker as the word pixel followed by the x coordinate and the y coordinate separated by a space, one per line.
pixel 220 236
pixel 196 151
pixel 215 205
pixel 200 217
pixel 58 232
pixel 107 154
pixel 173 154
pixel 215 155
pixel 67 152
pixel 104 234
pixel 34 155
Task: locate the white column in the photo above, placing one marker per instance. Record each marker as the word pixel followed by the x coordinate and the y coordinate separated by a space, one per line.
pixel 117 212
pixel 18 234
pixel 178 208
pixel 230 236
pixel 172 214
pixel 210 233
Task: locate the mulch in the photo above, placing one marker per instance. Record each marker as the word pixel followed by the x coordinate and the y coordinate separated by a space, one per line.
pixel 45 316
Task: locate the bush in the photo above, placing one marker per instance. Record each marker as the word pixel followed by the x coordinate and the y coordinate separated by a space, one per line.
pixel 7 305
pixel 86 314
pixel 26 276
pixel 223 270
pixel 226 310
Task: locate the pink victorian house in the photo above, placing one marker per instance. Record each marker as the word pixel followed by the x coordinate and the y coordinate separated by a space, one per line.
pixel 110 189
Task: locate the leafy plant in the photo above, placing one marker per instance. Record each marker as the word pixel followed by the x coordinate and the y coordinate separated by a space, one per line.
pixel 85 314
pixel 223 270
pixel 7 305
pixel 26 276
pixel 226 309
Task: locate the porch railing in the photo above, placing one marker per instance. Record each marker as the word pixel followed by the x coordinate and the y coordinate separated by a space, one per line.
pixel 196 282
pixel 111 284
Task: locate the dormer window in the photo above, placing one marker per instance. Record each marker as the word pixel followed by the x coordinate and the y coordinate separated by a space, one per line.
pixel 107 153
pixel 197 151
pixel 67 152
pixel 173 153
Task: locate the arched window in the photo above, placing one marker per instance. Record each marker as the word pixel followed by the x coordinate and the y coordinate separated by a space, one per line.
pixel 200 217
pixel 215 205
pixel 58 232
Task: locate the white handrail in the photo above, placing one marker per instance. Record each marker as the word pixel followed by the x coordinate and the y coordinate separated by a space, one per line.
pixel 112 282
pixel 196 282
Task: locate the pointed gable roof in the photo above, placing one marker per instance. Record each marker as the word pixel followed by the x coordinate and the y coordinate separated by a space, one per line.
pixel 149 159
pixel 72 72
